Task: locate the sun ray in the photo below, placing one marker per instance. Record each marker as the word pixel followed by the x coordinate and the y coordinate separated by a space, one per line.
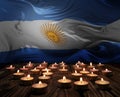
pixel 53 33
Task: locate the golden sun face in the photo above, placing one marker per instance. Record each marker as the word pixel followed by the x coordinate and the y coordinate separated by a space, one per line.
pixel 53 33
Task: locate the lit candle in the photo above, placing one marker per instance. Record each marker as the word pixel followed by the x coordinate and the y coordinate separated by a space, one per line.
pixel 11 67
pixel 48 73
pixel 84 71
pixel 63 70
pixel 55 64
pixel 46 69
pixel 53 67
pixel 18 74
pixel 63 65
pixel 40 67
pixel 92 76
pixel 76 75
pixel 35 71
pixel 24 69
pixel 64 82
pixel 82 64
pixel 94 70
pixel 27 80
pixel 39 88
pixel 77 67
pixel 100 65
pixel 107 72
pixel 91 66
pixel 29 65
pixel 44 78
pixel 78 63
pixel 81 84
pixel 102 83
pixel 44 63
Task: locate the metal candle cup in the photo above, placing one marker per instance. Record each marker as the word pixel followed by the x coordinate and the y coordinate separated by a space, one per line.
pixel 76 75
pixel 28 80
pixel 107 72
pixel 64 82
pixel 18 75
pixel 102 83
pixel 82 85
pixel 92 76
pixel 39 88
pixel 44 78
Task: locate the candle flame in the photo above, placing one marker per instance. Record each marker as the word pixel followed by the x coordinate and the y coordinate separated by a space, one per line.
pixel 63 68
pixel 91 72
pixel 93 68
pixel 55 63
pixel 75 71
pixel 102 79
pixel 18 71
pixel 106 69
pixel 81 79
pixel 35 68
pixel 78 62
pixel 90 63
pixel 99 63
pixel 83 69
pixel 40 65
pixel 44 75
pixel 47 70
pixel 28 76
pixel 24 67
pixel 77 66
pixel 11 66
pixel 44 62
pixel 29 64
pixel 40 83
pixel 64 78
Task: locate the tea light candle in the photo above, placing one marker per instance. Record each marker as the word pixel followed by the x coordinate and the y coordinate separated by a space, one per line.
pixel 55 64
pixel 53 68
pixel 78 63
pixel 91 66
pixel 44 78
pixel 64 82
pixel 107 72
pixel 29 65
pixel 44 63
pixel 94 70
pixel 39 88
pixel 28 80
pixel 11 67
pixel 46 69
pixel 83 65
pixel 24 69
pixel 81 84
pixel 63 65
pixel 102 83
pixel 18 74
pixel 48 73
pixel 63 70
pixel 76 75
pixel 92 76
pixel 40 67
pixel 35 71
pixel 77 67
pixel 100 65
pixel 84 71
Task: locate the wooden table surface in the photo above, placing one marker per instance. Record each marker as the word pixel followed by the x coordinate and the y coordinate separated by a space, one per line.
pixel 11 88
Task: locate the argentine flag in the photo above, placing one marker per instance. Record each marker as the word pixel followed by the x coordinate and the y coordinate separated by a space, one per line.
pixel 55 31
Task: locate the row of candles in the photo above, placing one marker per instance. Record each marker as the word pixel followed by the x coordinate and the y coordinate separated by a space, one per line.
pixel 80 71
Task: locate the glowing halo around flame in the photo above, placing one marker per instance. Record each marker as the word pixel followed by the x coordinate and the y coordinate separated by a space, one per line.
pixel 53 33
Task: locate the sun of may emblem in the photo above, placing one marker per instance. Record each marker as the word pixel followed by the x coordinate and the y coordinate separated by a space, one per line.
pixel 53 33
